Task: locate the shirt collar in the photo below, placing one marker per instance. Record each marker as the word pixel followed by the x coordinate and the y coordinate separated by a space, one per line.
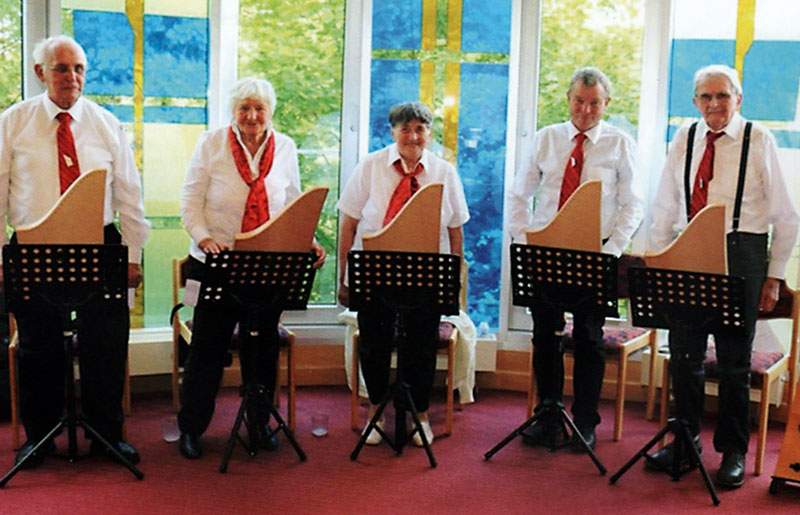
pixel 239 138
pixel 733 129
pixel 592 134
pixel 53 110
pixel 394 155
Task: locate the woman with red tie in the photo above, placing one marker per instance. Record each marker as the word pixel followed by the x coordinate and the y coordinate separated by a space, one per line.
pixel 238 177
pixel 378 188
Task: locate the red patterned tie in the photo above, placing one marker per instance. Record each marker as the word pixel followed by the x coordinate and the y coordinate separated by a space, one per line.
pixel 572 173
pixel 68 168
pixel 705 173
pixel 404 191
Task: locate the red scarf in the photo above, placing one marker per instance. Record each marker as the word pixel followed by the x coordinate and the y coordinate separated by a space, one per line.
pixel 404 191
pixel 256 209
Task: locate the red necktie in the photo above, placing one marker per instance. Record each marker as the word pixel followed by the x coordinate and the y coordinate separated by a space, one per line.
pixel 404 191
pixel 705 172
pixel 256 208
pixel 572 173
pixel 68 168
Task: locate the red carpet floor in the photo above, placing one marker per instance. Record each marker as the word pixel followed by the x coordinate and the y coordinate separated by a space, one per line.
pixel 518 479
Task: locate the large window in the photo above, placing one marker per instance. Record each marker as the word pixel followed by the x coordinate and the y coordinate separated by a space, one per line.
pixel 10 53
pixel 298 47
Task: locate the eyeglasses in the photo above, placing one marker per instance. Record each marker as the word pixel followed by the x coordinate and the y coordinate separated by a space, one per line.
pixel 79 69
pixel 722 96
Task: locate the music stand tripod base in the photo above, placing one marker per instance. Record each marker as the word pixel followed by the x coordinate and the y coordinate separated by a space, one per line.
pixel 568 279
pixel 256 281
pixel 549 410
pixel 683 301
pixel 66 277
pixel 404 282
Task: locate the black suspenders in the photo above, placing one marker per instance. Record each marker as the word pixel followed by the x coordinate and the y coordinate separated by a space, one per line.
pixel 737 207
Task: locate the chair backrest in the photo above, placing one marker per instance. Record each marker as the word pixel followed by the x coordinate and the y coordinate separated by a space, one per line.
pixel 788 306
pixel 180 268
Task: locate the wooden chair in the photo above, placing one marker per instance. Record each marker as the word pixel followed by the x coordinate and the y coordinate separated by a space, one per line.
pixel 621 342
pixel 182 337
pixel 765 368
pixel 13 348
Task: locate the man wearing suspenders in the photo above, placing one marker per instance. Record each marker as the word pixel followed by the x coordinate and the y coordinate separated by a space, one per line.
pixel 723 159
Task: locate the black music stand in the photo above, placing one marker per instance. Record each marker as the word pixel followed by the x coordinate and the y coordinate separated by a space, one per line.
pixel 66 277
pixel 255 281
pixel 568 279
pixel 683 301
pixel 404 282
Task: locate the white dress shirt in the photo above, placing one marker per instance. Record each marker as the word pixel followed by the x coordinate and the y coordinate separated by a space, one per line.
pixel 609 155
pixel 29 180
pixel 765 201
pixel 214 194
pixel 369 190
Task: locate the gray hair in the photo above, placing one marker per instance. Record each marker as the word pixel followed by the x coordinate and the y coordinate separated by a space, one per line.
pixel 718 70
pixel 255 89
pixel 408 111
pixel 45 48
pixel 589 76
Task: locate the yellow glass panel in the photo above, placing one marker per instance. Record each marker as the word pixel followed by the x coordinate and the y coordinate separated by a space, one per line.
pixel 193 8
pixel 168 148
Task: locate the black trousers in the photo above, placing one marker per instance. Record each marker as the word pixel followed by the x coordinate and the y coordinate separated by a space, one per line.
pixel 102 328
pixel 212 331
pixel 747 257
pixel 590 363
pixel 416 365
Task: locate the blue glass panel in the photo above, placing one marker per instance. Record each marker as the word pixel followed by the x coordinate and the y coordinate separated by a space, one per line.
pixel 481 164
pixel 771 69
pixel 689 55
pixel 123 113
pixel 108 41
pixel 787 139
pixel 175 56
pixel 485 26
pixel 171 114
pixel 397 25
pixel 393 82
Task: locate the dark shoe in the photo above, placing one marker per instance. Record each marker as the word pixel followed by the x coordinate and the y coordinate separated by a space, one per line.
pixel 662 460
pixel 267 438
pixel 731 471
pixel 127 450
pixel 190 446
pixel 49 447
pixel 542 433
pixel 575 443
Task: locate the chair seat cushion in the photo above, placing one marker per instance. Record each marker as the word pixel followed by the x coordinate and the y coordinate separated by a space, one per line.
pixel 445 332
pixel 614 336
pixel 760 362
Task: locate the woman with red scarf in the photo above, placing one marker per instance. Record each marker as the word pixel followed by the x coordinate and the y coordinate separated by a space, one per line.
pixel 238 176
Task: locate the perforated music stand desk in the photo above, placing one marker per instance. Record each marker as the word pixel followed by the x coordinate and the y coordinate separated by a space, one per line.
pixel 404 282
pixel 66 277
pixel 256 281
pixel 684 301
pixel 569 280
